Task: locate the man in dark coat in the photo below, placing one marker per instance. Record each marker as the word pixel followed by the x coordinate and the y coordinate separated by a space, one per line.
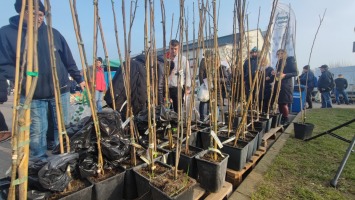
pixel 265 95
pixel 340 86
pixel 286 75
pixel 43 98
pixel 138 84
pixel 253 66
pixel 325 86
pixel 307 79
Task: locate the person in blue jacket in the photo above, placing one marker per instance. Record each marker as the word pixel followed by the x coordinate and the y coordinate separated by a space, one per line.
pixel 43 98
pixel 307 78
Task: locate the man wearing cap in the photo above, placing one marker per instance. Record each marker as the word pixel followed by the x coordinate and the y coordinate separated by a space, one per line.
pixel 100 84
pixel 307 79
pixel 43 98
pixel 340 86
pixel 252 64
pixel 325 86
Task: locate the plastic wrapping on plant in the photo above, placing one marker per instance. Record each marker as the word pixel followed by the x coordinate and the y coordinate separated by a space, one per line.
pixel 53 175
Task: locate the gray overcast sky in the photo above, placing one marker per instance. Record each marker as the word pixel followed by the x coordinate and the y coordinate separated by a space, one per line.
pixel 333 44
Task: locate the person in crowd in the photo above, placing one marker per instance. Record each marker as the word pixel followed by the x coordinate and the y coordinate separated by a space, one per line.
pixel 340 86
pixel 251 64
pixel 265 95
pixel 307 79
pixel 100 84
pixel 285 76
pixel 325 86
pixel 173 76
pixel 202 75
pixel 43 98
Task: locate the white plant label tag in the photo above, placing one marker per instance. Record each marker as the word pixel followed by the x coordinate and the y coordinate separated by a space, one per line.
pixel 219 143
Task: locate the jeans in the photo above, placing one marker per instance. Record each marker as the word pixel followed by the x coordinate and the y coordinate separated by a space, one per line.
pixel 326 100
pixel 342 92
pixel 98 99
pixel 39 123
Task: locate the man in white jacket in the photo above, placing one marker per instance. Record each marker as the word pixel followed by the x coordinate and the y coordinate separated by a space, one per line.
pixel 173 76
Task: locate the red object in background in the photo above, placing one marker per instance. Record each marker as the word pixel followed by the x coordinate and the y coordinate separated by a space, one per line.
pixel 167 55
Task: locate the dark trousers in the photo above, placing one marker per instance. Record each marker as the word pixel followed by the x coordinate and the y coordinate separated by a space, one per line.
pixel 201 109
pixel 309 97
pixel 173 93
pixel 3 126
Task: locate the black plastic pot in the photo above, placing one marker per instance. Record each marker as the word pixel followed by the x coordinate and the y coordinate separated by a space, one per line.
pixel 188 163
pixel 85 193
pixel 130 186
pixel 303 131
pixel 203 139
pixel 260 127
pixel 254 135
pixel 185 195
pixel 235 121
pixel 279 120
pixel 237 155
pixel 268 123
pixel 251 145
pixel 211 175
pixel 110 188
pixel 275 120
pixel 143 182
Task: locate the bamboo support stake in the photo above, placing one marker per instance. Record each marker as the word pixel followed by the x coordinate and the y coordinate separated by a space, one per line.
pixel 180 111
pixel 14 141
pixel 119 49
pixel 94 54
pixel 23 166
pixel 59 110
pixel 196 59
pixel 107 61
pixel 84 66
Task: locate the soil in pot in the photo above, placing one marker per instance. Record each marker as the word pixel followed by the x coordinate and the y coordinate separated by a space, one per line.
pixel 143 175
pixel 303 130
pixel 80 189
pixel 166 187
pixel 211 172
pixel 225 133
pixel 237 154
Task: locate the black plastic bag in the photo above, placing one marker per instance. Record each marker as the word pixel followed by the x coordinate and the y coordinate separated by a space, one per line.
pixel 110 123
pixel 80 140
pixel 53 176
pixel 115 148
pixel 37 195
pixel 4 187
pixel 33 168
pixel 88 166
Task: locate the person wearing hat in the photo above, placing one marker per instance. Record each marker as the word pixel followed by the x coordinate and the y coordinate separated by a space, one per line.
pixel 307 79
pixel 43 98
pixel 252 64
pixel 100 84
pixel 325 86
pixel 340 86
